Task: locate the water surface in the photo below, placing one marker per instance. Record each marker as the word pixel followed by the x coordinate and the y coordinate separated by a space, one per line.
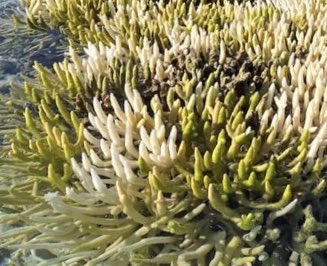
pixel 21 46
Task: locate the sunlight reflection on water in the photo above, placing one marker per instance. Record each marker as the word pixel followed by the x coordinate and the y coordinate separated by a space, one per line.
pixel 20 46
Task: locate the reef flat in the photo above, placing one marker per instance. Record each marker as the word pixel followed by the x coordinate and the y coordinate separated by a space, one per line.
pixel 172 133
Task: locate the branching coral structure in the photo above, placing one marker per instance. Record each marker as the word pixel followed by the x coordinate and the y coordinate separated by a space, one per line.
pixel 173 133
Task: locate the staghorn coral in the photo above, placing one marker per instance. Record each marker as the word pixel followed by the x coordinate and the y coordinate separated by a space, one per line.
pixel 174 133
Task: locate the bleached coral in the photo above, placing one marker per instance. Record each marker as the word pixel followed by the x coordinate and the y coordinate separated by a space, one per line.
pixel 182 132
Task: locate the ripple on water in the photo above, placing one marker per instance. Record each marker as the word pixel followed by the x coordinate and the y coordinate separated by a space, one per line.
pixel 20 47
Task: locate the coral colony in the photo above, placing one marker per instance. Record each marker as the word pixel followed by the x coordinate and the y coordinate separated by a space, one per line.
pixel 173 133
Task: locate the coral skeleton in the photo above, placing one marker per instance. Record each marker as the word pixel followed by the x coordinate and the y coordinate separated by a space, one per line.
pixel 173 133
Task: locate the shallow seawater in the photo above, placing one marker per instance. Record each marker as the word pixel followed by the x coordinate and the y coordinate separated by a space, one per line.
pixel 20 47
